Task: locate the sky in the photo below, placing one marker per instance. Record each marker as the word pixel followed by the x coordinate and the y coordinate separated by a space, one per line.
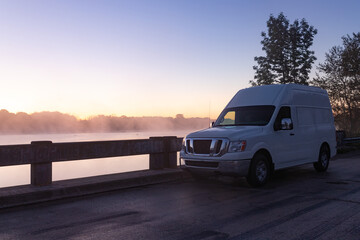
pixel 145 57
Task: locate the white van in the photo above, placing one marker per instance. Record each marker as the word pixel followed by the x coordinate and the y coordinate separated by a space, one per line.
pixel 263 129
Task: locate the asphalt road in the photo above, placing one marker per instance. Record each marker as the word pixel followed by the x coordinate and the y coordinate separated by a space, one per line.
pixel 297 204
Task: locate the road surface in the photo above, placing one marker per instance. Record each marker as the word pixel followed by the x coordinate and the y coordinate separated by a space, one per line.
pixel 298 203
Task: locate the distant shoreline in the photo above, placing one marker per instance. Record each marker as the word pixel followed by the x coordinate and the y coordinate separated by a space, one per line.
pixel 56 122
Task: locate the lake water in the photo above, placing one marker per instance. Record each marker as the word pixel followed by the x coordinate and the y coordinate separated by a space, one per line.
pixel 20 175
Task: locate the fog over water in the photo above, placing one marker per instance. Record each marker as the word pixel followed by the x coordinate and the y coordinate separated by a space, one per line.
pixel 22 128
pixel 20 175
pixel 56 122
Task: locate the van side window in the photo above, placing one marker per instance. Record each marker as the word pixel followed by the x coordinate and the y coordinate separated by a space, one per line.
pixel 284 112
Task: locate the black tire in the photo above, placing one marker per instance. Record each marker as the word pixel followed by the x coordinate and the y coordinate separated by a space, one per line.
pixel 259 171
pixel 324 158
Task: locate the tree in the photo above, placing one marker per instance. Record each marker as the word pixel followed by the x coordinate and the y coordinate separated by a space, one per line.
pixel 287 48
pixel 340 76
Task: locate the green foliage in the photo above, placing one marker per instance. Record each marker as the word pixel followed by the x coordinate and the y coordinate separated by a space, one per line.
pixel 340 76
pixel 288 57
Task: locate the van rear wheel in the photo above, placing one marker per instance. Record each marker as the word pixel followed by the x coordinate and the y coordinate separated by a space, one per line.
pixel 324 158
pixel 259 172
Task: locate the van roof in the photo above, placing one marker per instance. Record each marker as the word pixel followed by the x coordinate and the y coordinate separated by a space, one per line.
pixel 270 95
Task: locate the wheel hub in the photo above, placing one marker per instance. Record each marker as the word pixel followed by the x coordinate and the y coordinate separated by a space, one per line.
pixel 324 159
pixel 261 171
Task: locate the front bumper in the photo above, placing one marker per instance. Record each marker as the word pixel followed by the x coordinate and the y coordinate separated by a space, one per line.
pixel 224 167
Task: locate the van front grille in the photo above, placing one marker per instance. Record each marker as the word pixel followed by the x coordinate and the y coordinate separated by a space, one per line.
pixel 218 146
pixel 212 147
pixel 202 146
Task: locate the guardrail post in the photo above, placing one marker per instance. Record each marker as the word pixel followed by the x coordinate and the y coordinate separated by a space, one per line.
pixel 41 171
pixel 166 159
pixel 340 136
pixel 171 151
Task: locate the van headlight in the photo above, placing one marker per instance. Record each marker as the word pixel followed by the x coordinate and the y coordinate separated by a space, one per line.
pixel 237 146
pixel 183 146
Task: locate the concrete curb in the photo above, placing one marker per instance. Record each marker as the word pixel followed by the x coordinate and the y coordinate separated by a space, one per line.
pixel 28 194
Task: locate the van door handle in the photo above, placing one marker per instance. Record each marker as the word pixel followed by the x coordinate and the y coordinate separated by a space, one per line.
pixel 292 134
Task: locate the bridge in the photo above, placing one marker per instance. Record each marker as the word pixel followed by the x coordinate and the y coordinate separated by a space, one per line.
pixel 164 203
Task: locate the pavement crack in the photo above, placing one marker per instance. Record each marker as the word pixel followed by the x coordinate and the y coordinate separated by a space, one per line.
pixel 321 228
pixel 208 235
pixel 269 225
pixel 80 223
pixel 343 200
pixel 260 229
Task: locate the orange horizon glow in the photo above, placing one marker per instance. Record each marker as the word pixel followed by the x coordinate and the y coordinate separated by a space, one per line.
pixel 92 115
pixel 144 58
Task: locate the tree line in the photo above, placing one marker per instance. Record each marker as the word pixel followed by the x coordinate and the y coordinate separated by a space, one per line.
pixel 56 122
pixel 288 59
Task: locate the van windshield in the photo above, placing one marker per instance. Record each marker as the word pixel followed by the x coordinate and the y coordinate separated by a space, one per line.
pixel 245 116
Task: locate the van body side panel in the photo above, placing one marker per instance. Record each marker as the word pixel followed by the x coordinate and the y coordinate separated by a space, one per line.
pixel 310 98
pixel 308 132
pixel 315 119
pixel 262 95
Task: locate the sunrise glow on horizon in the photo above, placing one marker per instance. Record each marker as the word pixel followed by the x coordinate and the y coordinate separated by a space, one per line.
pixel 144 58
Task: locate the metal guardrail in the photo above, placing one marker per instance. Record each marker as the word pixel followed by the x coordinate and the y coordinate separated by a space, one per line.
pixel 351 140
pixel 40 155
pixel 341 139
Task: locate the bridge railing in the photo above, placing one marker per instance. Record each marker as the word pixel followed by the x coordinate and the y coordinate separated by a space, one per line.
pixel 41 154
pixel 341 138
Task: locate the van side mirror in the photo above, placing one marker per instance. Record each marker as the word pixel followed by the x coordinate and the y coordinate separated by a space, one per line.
pixel 286 124
pixel 212 124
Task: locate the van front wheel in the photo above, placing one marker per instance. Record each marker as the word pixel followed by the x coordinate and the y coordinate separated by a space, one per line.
pixel 259 171
pixel 324 158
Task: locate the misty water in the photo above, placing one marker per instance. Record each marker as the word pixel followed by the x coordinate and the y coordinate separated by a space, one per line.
pixel 20 175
